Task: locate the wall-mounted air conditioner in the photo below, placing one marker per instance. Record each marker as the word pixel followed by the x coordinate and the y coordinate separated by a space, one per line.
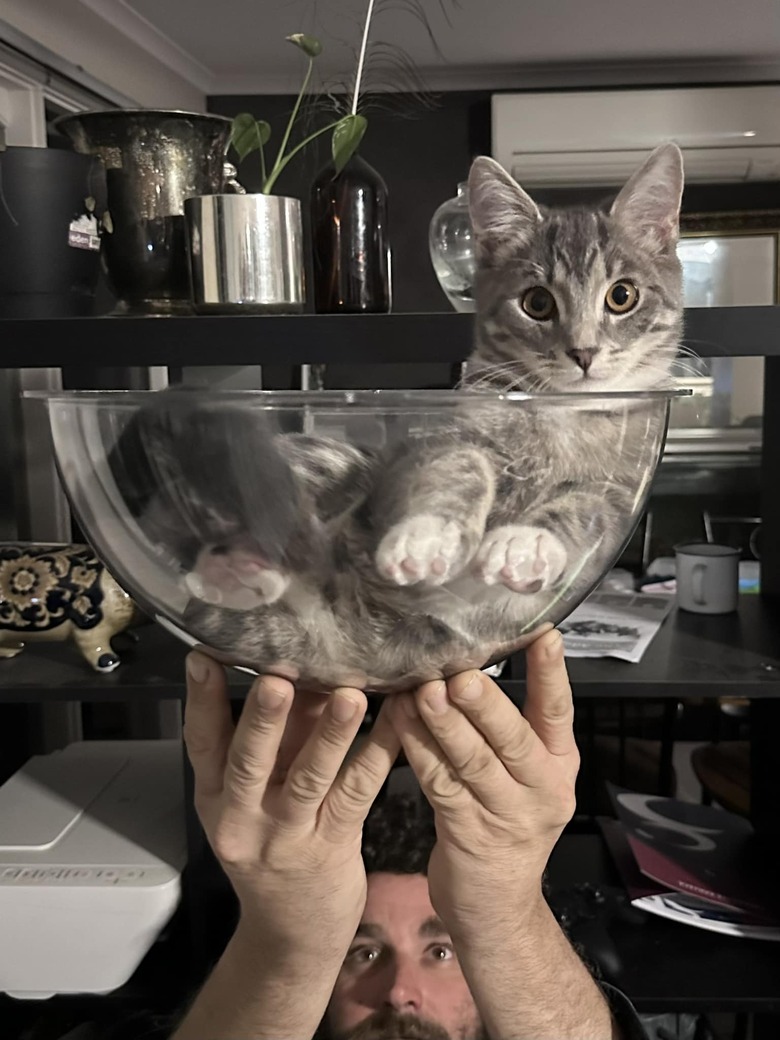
pixel 599 137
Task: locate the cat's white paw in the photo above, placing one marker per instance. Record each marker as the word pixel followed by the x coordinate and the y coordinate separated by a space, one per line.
pixel 235 579
pixel 525 559
pixel 424 548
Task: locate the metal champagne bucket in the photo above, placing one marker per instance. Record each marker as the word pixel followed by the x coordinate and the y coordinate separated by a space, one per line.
pixel 154 160
pixel 246 254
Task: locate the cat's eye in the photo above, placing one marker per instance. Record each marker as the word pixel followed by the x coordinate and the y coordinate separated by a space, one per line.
pixel 539 303
pixel 622 297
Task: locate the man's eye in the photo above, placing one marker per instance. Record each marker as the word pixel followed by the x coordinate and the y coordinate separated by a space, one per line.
pixel 363 954
pixel 442 952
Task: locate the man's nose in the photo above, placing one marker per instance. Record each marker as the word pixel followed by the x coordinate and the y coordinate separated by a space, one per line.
pixel 404 992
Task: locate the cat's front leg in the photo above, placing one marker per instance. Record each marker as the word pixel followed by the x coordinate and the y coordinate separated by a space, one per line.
pixel 438 508
pixel 563 537
pixel 523 558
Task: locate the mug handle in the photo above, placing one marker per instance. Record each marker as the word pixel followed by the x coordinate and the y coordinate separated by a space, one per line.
pixel 697 580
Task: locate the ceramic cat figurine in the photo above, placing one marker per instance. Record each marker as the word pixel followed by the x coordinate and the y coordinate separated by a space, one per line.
pixel 434 553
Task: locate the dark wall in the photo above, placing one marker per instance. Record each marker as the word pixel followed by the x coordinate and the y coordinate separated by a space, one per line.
pixel 422 154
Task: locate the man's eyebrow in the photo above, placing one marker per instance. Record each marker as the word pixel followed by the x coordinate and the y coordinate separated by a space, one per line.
pixel 369 931
pixel 432 928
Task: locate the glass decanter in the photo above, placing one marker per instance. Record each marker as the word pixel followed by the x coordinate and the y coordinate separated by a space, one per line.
pixel 451 242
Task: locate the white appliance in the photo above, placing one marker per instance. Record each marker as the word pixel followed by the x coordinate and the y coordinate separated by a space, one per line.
pixel 92 845
pixel 599 137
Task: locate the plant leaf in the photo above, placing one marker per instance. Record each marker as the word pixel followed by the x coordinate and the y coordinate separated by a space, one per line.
pixel 310 45
pixel 248 134
pixel 347 135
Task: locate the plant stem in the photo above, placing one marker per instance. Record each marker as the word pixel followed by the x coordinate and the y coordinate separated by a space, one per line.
pixel 362 58
pixel 279 164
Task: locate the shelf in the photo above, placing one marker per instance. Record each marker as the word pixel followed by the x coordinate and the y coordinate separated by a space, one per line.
pixel 692 655
pixel 665 965
pixel 335 339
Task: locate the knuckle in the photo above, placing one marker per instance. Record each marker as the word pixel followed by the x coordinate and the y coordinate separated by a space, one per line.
pixel 244 772
pixel 196 741
pixel 228 846
pixel 444 788
pixel 307 784
pixel 519 742
pixel 478 767
pixel 357 788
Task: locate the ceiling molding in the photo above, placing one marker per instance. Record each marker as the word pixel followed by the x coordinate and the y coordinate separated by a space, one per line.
pixel 145 35
pixel 541 77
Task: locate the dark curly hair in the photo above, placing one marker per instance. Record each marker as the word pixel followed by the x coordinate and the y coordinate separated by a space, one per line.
pixel 398 836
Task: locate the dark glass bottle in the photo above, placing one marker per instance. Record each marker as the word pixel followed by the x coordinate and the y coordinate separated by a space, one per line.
pixel 350 241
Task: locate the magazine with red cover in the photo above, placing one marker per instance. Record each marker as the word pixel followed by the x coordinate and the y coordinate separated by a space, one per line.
pixel 649 895
pixel 699 851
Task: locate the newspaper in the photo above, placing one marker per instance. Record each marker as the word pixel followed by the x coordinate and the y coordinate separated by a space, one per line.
pixel 615 624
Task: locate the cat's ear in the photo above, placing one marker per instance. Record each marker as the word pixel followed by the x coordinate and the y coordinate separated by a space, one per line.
pixel 502 214
pixel 649 204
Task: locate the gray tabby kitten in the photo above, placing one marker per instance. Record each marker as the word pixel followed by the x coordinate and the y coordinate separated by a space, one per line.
pixel 437 554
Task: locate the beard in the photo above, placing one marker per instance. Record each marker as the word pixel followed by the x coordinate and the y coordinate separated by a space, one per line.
pixel 389 1024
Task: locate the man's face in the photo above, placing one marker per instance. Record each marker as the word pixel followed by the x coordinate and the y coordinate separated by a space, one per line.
pixel 401 979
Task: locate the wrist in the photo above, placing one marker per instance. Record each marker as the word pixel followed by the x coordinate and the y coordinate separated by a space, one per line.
pixel 296 952
pixel 518 914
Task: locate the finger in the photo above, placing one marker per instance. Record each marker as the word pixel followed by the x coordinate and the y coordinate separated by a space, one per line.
pixel 253 752
pixel 307 707
pixel 435 773
pixel 501 724
pixel 316 766
pixel 353 793
pixel 549 707
pixel 468 740
pixel 208 724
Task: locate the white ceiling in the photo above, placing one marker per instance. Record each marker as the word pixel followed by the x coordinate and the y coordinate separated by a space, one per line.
pixel 237 46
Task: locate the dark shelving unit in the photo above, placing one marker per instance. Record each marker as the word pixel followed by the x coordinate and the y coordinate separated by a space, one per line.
pixel 693 656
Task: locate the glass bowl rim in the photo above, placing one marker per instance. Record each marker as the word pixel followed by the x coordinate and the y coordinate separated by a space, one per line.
pixel 372 399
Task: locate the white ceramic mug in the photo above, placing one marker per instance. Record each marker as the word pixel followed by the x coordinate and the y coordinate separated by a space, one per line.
pixel 707 577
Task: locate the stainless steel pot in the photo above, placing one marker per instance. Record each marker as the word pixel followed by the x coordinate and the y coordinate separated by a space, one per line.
pixel 246 254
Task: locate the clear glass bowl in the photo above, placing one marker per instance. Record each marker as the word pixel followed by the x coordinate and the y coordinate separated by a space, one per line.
pixel 338 537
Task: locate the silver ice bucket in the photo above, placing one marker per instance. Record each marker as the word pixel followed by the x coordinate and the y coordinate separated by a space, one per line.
pixel 246 254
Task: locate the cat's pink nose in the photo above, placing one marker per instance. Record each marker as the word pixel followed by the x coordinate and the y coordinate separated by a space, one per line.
pixel 583 358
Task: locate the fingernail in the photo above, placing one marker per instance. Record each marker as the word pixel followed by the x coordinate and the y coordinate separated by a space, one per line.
pixel 269 695
pixel 554 648
pixel 471 690
pixel 436 699
pixel 342 708
pixel 197 668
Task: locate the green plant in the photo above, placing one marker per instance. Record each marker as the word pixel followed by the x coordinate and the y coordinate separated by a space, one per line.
pixel 251 135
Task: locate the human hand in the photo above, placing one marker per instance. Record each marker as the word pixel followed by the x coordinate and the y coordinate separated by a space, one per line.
pixel 281 809
pixel 501 783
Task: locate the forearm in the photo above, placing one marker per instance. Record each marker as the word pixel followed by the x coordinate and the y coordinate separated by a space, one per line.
pixel 257 994
pixel 528 983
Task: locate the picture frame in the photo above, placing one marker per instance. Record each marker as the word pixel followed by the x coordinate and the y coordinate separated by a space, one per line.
pixel 729 259
pixel 747 244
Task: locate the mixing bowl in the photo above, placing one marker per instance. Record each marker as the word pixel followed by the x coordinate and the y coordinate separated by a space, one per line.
pixel 364 538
